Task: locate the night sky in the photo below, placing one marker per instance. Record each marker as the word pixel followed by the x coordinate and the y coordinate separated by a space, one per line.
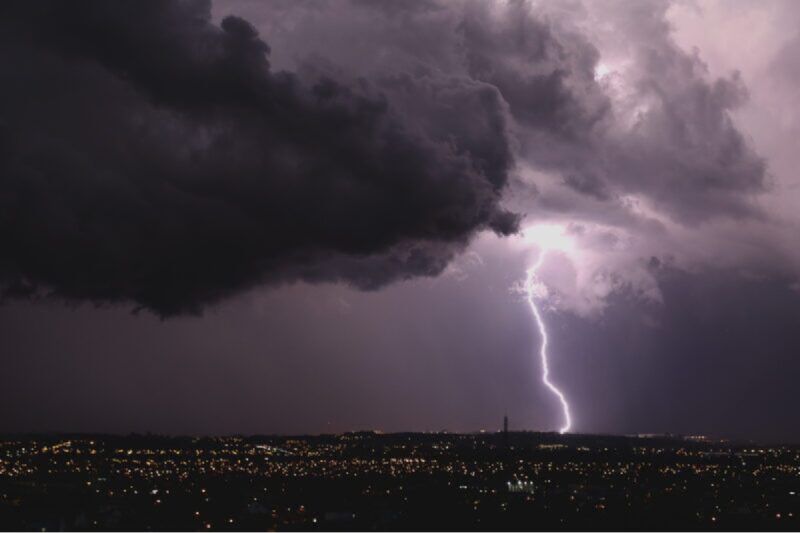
pixel 316 216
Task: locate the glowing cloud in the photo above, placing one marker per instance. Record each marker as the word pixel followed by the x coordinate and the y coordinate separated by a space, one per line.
pixel 549 237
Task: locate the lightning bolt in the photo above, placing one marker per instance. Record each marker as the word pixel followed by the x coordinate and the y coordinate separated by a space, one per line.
pixel 529 290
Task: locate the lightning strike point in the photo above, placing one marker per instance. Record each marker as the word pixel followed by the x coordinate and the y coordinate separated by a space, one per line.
pixel 529 290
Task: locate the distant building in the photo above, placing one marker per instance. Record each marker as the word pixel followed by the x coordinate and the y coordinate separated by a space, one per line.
pixel 505 431
pixel 526 487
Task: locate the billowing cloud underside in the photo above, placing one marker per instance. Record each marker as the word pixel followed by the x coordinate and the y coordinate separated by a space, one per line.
pixel 150 155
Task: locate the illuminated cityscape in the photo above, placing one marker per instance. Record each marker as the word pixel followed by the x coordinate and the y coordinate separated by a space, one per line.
pixel 369 480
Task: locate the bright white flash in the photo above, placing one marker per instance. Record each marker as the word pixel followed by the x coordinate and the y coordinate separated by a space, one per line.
pixel 531 286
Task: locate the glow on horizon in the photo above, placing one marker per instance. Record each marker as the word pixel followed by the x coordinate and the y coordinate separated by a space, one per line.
pixel 547 237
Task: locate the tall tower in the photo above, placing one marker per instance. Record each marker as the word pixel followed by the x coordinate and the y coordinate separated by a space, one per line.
pixel 505 430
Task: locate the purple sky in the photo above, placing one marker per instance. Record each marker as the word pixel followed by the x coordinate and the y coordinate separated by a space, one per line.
pixel 321 213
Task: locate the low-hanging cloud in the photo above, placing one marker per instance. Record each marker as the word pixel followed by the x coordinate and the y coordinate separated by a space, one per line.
pixel 148 155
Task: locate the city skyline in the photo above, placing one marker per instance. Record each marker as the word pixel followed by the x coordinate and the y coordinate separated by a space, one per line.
pixel 411 481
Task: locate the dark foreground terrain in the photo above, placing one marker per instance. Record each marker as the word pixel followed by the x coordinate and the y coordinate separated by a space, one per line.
pixel 369 481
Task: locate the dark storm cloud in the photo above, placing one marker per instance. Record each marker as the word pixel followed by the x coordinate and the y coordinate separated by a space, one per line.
pixel 547 78
pixel 148 155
